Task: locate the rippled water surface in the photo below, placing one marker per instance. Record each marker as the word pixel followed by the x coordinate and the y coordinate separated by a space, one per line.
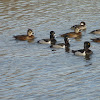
pixel 32 71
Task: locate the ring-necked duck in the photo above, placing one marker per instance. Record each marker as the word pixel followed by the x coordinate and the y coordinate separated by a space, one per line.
pixel 96 40
pixel 96 31
pixel 82 26
pixel 48 41
pixel 74 34
pixel 61 45
pixel 29 36
pixel 83 52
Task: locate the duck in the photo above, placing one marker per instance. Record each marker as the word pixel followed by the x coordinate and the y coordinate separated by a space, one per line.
pixel 74 34
pixel 82 26
pixel 48 41
pixel 95 31
pixel 61 45
pixel 96 40
pixel 29 36
pixel 83 52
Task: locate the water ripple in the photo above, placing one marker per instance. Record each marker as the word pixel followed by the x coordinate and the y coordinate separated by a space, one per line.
pixel 31 71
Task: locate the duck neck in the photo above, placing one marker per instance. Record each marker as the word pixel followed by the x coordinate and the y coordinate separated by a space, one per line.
pixel 53 41
pixel 67 43
pixel 52 37
pixel 86 48
pixel 76 30
pixel 29 34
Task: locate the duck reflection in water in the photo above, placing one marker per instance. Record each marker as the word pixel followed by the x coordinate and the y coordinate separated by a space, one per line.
pixel 78 38
pixel 67 49
pixel 87 57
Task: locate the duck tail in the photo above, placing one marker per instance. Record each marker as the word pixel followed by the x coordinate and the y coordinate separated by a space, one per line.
pixel 92 39
pixel 92 32
pixel 73 51
pixel 38 41
pixel 51 46
pixel 14 37
pixel 63 35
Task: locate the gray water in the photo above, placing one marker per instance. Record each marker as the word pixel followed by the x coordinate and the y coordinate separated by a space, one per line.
pixel 32 71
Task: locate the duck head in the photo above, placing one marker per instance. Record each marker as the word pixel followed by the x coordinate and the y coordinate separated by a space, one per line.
pixel 52 35
pixel 86 45
pixel 82 23
pixel 30 32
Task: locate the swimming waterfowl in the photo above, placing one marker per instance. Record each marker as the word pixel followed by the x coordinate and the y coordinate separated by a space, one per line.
pixel 82 26
pixel 83 52
pixel 74 34
pixel 48 41
pixel 29 36
pixel 96 31
pixel 61 45
pixel 96 40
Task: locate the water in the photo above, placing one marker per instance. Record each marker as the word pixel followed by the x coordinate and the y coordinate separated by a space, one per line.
pixel 31 71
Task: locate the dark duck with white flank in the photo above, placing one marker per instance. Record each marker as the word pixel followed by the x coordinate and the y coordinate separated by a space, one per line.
pixel 83 52
pixel 61 45
pixel 48 41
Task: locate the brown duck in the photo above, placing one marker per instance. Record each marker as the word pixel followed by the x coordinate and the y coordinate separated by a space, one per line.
pixel 96 40
pixel 74 34
pixel 29 36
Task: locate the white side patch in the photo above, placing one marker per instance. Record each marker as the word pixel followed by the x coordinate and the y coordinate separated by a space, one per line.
pixel 80 54
pixel 58 46
pixel 44 42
